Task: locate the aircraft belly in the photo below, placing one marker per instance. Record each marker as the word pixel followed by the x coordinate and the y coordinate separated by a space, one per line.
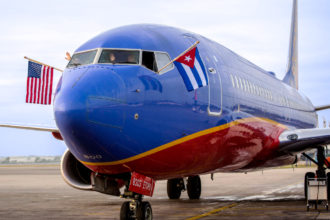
pixel 248 142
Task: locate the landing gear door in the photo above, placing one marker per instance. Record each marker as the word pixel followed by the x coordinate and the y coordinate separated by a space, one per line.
pixel 212 66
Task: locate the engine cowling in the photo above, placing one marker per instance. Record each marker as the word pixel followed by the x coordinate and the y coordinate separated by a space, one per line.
pixel 75 173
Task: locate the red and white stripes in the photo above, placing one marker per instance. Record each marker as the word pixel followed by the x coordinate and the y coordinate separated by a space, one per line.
pixel 39 90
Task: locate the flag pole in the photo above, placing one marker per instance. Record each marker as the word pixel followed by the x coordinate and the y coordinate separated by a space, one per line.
pixel 42 63
pixel 192 46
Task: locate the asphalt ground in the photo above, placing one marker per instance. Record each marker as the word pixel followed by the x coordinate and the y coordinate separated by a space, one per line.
pixel 38 192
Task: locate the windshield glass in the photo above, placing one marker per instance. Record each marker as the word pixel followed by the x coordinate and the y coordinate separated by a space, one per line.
pixel 163 59
pixel 82 58
pixel 120 56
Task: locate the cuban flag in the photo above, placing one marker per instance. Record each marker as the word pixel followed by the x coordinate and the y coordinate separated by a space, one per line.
pixel 192 70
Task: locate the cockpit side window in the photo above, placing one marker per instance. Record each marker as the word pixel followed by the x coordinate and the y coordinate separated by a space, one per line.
pixel 83 58
pixel 156 60
pixel 119 56
pixel 148 60
pixel 163 59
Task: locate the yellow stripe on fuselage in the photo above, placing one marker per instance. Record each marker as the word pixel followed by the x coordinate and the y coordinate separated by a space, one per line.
pixel 184 139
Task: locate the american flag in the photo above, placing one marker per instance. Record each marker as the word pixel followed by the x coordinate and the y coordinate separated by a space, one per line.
pixel 39 84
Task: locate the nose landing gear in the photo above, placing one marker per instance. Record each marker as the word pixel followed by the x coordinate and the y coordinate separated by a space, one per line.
pixel 138 186
pixel 136 208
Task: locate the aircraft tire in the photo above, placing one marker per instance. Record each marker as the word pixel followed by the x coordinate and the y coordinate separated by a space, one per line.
pixel 144 211
pixel 174 188
pixel 125 212
pixel 194 187
pixel 307 175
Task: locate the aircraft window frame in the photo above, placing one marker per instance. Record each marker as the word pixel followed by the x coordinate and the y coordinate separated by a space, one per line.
pixel 258 90
pixel 248 86
pixel 80 52
pixel 167 69
pixel 254 89
pixel 157 51
pixel 264 92
pixel 244 84
pixel 232 80
pixel 251 87
pixel 240 82
pixel 237 83
pixel 97 59
pixel 100 49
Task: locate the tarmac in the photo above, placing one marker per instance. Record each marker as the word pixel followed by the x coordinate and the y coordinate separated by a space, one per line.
pixel 39 192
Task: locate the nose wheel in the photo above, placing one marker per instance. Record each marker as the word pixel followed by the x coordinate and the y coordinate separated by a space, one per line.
pixel 125 211
pixel 144 211
pixel 136 210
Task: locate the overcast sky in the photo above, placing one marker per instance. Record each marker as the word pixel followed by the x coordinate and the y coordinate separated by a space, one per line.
pixel 256 29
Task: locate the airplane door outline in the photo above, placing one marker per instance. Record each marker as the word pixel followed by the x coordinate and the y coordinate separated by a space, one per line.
pixel 214 78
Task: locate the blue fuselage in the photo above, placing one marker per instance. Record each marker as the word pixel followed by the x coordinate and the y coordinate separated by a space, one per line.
pixel 108 112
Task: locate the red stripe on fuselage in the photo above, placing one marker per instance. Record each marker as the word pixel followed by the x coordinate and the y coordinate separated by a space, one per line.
pixel 246 145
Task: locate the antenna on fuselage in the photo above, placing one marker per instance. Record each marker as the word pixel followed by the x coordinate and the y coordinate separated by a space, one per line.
pixel 291 77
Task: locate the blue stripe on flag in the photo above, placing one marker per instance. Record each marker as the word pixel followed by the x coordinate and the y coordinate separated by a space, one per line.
pixel 201 64
pixel 184 76
pixel 197 77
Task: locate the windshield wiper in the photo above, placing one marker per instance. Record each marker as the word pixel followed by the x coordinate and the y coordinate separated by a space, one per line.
pixel 75 64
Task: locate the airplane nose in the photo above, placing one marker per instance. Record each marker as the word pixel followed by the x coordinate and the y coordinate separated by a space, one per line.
pixel 88 108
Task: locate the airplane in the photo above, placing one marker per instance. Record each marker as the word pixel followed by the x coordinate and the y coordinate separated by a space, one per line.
pixel 130 122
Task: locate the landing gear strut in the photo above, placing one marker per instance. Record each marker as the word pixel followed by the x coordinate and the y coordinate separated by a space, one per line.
pixel 136 208
pixel 176 186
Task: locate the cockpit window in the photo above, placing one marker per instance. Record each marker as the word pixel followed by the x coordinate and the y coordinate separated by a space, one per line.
pixel 163 59
pixel 119 56
pixel 156 60
pixel 82 58
pixel 148 60
pixel 152 60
